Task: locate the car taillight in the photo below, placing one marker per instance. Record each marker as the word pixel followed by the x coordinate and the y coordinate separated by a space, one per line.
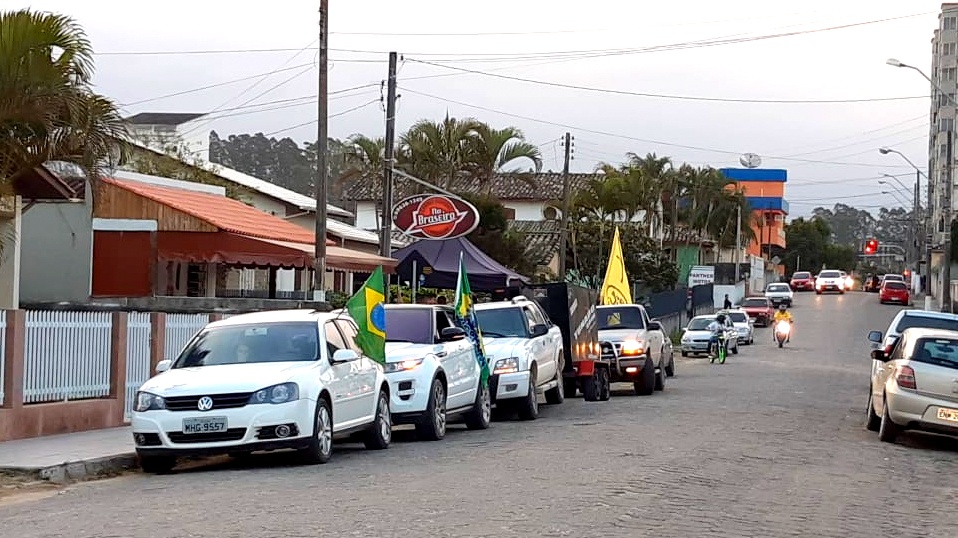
pixel 905 377
pixel 888 349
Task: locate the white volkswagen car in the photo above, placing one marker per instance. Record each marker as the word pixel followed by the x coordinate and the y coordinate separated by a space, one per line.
pixel 524 349
pixel 432 370
pixel 289 379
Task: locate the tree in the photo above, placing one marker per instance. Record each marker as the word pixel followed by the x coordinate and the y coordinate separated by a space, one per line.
pixel 438 152
pixel 175 161
pixel 806 242
pixel 644 261
pixel 491 150
pixel 48 109
pixel 495 239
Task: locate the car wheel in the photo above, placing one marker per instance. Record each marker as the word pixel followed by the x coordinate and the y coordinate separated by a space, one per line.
pixel 157 464
pixel 320 447
pixel 605 385
pixel 685 353
pixel 555 396
pixel 660 379
pixel 381 431
pixel 646 384
pixel 570 386
pixel 432 425
pixel 480 416
pixel 529 408
pixel 887 430
pixel 591 386
pixel 872 420
pixel 670 369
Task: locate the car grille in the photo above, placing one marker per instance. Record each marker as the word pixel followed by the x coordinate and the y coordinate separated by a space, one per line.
pixel 232 434
pixel 220 401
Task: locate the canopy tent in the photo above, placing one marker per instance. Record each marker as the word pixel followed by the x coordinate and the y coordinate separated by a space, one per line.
pixel 439 262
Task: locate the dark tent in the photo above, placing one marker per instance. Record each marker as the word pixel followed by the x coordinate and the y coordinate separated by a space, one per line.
pixel 439 262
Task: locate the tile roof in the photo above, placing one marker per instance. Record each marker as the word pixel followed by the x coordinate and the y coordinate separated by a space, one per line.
pixel 225 213
pixel 163 118
pixel 541 238
pixel 542 186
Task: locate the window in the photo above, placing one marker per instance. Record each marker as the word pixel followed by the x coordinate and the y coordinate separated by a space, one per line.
pixel 502 323
pixel 755 303
pixel 926 322
pixel 413 325
pixel 700 324
pixel 938 351
pixel 237 344
pixel 738 317
pixel 946 125
pixel 620 318
pixel 948 23
pixel 948 49
pixel 830 274
pixel 535 317
pixel 948 73
pixel 509 213
pixel 350 333
pixel 334 340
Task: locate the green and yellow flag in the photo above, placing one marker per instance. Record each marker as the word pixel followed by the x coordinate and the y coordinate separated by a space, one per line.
pixel 615 287
pixel 466 316
pixel 366 308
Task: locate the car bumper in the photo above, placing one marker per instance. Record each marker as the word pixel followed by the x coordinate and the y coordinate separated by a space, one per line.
pixel 916 411
pixel 695 347
pixel 409 394
pixel 780 300
pixel 249 428
pixel 509 386
pixel 830 287
pixel 895 299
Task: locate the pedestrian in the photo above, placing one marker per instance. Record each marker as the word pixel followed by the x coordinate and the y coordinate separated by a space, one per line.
pixel 728 302
pixel 442 300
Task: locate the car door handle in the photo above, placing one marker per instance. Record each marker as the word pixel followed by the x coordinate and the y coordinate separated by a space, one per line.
pixel 442 354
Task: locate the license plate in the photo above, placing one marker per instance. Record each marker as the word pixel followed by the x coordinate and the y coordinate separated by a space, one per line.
pixel 204 425
pixel 948 414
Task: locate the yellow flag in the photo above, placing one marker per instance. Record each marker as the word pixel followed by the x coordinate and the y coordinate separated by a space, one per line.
pixel 615 288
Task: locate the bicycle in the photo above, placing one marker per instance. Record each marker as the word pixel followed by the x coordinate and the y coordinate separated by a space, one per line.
pixel 721 352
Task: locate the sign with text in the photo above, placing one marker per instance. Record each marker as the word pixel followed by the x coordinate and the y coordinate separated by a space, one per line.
pixel 701 275
pixel 435 216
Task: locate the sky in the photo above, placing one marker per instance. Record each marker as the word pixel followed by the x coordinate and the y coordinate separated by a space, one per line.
pixel 684 79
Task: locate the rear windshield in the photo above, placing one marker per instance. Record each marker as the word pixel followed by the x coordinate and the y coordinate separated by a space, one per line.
pixel 778 287
pixel 897 278
pixel 802 275
pixel 619 318
pixel 938 351
pixel 755 302
pixel 700 324
pixel 926 322
pixel 829 274
pixel 892 285
pixel 738 317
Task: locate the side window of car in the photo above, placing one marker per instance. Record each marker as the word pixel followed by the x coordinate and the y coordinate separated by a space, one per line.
pixel 334 339
pixel 349 333
pixel 533 316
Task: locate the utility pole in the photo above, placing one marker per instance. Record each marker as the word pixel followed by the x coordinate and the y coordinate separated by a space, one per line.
pixel 385 243
pixel 564 222
pixel 322 171
pixel 738 241
pixel 916 236
pixel 949 186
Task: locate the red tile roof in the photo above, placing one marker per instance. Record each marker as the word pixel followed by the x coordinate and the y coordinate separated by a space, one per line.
pixel 227 214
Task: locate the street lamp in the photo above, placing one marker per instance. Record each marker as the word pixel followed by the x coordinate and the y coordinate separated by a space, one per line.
pixel 897 196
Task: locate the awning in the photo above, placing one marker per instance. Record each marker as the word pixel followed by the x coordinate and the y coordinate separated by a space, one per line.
pixel 235 249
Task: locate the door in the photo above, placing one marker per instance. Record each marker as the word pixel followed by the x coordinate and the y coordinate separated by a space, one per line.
pixel 655 338
pixel 541 348
pixel 459 363
pixel 347 402
pixel 365 370
pixel 881 372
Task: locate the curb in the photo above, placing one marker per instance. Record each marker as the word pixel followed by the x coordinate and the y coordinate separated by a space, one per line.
pixel 73 471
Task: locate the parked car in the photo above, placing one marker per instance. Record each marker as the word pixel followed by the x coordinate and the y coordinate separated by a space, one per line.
pixel 779 293
pixel 433 371
pixel 906 319
pixel 744 325
pixel 696 335
pixel 913 386
pixel 872 284
pixel 635 346
pixel 524 349
pixel 287 379
pixel 760 309
pixel 802 281
pixel 893 278
pixel 830 280
pixel 894 292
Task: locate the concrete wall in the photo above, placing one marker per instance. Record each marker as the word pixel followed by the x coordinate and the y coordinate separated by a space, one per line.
pixel 56 252
pixel 736 293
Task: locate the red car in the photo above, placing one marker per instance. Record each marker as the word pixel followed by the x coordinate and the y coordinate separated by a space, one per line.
pixel 760 309
pixel 802 281
pixel 894 292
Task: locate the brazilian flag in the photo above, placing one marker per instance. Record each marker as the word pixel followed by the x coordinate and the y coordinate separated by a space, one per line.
pixel 366 308
pixel 466 316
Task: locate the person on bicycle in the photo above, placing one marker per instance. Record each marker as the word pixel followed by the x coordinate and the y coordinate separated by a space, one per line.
pixel 717 327
pixel 783 315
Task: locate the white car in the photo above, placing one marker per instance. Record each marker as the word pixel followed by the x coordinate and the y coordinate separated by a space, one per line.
pixel 432 370
pixel 779 293
pixel 830 280
pixel 696 336
pixel 524 350
pixel 263 381
pixel 908 318
pixel 744 327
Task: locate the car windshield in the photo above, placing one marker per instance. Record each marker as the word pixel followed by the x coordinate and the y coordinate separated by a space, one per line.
pixel 412 325
pixel 700 324
pixel 829 274
pixel 777 287
pixel 801 276
pixel 926 322
pixel 238 344
pixel 738 317
pixel 619 317
pixel 502 323
pixel 759 303
pixel 938 351
pixel 894 278
pixel 892 285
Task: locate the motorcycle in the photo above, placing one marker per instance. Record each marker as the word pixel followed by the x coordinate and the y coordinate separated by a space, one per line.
pixel 782 330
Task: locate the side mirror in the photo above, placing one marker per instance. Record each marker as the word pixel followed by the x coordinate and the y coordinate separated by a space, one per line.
pixel 163 365
pixel 874 337
pixel 452 333
pixel 344 355
pixel 879 355
pixel 539 329
pixel 655 326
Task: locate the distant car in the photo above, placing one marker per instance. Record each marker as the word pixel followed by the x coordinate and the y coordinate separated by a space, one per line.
pixel 696 336
pixel 913 386
pixel 906 319
pixel 779 293
pixel 872 284
pixel 802 281
pixel 830 280
pixel 758 308
pixel 893 278
pixel 744 325
pixel 894 292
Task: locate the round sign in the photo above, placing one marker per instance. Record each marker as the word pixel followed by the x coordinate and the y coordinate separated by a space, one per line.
pixel 435 216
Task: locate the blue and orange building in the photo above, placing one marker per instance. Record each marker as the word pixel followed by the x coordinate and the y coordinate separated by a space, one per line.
pixel 765 191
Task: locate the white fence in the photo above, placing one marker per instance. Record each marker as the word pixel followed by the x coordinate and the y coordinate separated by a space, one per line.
pixel 138 334
pixel 180 329
pixel 66 355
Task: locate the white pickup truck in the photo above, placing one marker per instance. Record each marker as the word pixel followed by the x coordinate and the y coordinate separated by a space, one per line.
pixel 636 346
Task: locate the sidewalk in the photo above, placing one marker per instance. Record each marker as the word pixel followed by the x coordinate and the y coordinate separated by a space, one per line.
pixel 72 456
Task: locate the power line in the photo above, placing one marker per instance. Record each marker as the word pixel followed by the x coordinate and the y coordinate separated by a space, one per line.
pixel 304 124
pixel 633 138
pixel 863 133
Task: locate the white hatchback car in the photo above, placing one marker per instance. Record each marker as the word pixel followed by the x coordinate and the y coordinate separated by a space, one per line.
pixel 263 381
pixel 433 371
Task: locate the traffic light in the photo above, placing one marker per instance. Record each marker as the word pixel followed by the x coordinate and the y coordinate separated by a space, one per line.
pixel 871 246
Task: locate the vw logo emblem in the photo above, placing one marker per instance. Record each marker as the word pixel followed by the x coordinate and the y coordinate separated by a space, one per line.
pixel 205 403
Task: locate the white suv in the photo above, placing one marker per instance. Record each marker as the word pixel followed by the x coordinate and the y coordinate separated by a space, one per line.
pixel 830 280
pixel 263 381
pixel 524 350
pixel 432 370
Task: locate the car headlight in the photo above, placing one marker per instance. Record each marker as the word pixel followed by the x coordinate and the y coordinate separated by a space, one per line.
pixel 402 366
pixel 277 394
pixel 632 347
pixel 146 401
pixel 508 365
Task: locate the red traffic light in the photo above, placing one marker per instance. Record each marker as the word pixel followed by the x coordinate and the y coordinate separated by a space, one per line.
pixel 871 246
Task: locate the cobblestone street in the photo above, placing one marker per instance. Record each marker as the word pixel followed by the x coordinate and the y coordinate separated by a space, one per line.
pixel 769 444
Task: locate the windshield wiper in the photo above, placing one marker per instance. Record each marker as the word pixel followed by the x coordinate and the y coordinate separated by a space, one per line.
pixel 494 334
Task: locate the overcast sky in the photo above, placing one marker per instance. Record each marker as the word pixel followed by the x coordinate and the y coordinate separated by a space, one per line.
pixel 829 149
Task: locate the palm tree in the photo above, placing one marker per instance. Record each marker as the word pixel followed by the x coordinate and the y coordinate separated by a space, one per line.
pixel 363 157
pixel 48 111
pixel 438 152
pixel 491 150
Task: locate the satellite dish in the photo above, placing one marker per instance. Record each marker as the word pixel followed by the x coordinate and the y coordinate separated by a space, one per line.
pixel 750 160
pixel 550 213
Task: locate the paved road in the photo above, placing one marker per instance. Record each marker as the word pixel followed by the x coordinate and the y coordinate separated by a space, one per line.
pixel 770 444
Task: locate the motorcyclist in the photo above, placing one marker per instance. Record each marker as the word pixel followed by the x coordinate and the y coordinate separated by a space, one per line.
pixel 783 315
pixel 716 328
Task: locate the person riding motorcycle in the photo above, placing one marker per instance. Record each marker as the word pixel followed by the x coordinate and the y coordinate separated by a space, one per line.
pixel 716 328
pixel 783 315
